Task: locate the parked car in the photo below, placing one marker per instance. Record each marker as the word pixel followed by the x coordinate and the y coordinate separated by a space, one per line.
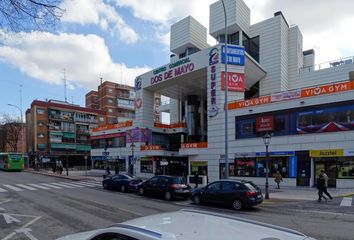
pixel 187 225
pixel 237 194
pixel 121 182
pixel 168 187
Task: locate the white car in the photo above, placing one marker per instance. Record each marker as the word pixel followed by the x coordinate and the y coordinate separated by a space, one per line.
pixel 190 225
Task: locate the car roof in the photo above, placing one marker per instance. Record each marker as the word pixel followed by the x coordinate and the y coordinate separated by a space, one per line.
pixel 202 225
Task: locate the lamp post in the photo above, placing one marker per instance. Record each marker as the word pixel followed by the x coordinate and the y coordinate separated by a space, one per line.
pixel 226 174
pixel 132 146
pixel 22 133
pixel 266 140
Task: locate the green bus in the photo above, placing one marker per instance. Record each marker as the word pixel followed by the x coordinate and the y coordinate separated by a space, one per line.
pixel 11 161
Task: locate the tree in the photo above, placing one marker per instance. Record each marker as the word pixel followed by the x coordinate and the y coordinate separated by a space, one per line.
pixel 27 15
pixel 10 133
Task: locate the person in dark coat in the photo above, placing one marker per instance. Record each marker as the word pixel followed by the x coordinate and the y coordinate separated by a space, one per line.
pixel 321 187
pixel 196 177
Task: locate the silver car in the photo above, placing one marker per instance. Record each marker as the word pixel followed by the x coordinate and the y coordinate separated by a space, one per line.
pixel 188 225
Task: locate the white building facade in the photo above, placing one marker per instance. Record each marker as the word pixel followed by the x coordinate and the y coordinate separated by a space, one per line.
pixel 273 87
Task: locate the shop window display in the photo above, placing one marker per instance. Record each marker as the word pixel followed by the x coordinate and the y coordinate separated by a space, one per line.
pixel 345 168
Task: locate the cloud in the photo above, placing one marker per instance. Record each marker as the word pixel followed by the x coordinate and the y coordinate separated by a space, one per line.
pixel 99 13
pixel 85 58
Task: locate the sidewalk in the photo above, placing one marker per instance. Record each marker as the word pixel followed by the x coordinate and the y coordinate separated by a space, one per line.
pixel 304 193
pixel 285 193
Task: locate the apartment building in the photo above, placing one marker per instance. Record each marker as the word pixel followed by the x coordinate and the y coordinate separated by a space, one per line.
pixel 59 130
pixel 115 99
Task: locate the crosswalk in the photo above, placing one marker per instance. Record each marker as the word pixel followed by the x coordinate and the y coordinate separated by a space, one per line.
pixel 19 187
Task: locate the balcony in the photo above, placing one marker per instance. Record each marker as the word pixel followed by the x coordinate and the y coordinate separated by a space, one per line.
pixel 325 65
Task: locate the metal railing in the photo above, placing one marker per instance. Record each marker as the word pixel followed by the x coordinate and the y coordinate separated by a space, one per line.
pixel 325 65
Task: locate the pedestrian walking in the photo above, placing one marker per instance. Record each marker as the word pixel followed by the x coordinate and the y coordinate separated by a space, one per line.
pixel 325 184
pixel 108 170
pixel 278 178
pixel 320 186
pixel 196 178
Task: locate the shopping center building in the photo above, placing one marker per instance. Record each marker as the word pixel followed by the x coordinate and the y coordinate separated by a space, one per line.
pixel 274 87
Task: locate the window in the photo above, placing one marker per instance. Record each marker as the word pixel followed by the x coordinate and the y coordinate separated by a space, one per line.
pixel 40 111
pixel 245 167
pixel 110 110
pixel 275 164
pixel 229 186
pixel 154 180
pixel 345 167
pixel 40 123
pixel 110 101
pixel 146 165
pixel 101 119
pixel 214 186
pixel 110 90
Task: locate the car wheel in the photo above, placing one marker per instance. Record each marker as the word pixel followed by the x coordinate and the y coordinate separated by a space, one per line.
pixel 105 186
pixel 141 192
pixel 237 204
pixel 196 200
pixel 168 196
pixel 122 188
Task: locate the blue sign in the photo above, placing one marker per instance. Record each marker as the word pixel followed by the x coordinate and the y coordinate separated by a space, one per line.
pixel 235 55
pixel 292 166
pixel 276 154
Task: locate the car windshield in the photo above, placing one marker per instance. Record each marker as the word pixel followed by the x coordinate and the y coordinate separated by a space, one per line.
pixel 251 186
pixel 176 180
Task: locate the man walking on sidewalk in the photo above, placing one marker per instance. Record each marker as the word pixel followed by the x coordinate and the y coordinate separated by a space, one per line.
pixel 325 183
pixel 320 186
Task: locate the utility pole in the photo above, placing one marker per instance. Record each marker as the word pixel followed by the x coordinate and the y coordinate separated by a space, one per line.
pixel 64 79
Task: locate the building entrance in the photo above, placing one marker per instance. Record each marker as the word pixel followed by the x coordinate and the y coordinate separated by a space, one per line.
pixel 330 168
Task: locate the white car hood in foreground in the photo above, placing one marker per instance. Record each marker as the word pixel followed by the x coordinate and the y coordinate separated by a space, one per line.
pixel 195 225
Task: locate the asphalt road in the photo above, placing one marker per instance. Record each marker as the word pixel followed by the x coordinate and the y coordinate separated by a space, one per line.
pixel 44 208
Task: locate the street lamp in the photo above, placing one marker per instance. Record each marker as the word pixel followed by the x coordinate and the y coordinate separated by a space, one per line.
pixel 132 146
pixel 266 140
pixel 226 174
pixel 67 162
pixel 22 133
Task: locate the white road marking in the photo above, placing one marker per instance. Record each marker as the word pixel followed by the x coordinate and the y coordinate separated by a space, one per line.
pixel 61 185
pixel 3 190
pixel 346 202
pixel 89 184
pixel 71 184
pixel 26 231
pixel 10 219
pixel 51 186
pixel 38 186
pixel 16 189
pixel 26 187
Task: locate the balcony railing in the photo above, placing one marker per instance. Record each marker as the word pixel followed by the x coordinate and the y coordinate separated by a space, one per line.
pixel 325 65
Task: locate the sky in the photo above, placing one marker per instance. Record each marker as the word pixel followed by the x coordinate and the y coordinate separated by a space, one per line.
pixel 120 39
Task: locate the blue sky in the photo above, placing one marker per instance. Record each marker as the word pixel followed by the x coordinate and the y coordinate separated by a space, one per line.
pixel 120 39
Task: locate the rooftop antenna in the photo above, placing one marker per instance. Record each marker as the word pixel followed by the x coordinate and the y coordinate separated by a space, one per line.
pixel 64 79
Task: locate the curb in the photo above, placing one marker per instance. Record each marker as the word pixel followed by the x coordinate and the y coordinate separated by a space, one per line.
pixel 345 195
pixel 72 178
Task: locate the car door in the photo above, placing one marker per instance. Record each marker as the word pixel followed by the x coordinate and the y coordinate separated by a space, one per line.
pixel 161 185
pixel 210 195
pixel 229 192
pixel 150 185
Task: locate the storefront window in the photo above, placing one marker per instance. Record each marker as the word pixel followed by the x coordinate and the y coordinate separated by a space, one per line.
pixel 146 166
pixel 200 167
pixel 275 164
pixel 245 167
pixel 346 167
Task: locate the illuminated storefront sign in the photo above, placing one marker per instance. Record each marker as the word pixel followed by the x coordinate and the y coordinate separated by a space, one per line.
pixel 327 153
pixel 175 69
pixel 213 59
pixel 235 82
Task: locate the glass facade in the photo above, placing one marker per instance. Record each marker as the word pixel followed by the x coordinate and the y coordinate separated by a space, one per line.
pixel 319 119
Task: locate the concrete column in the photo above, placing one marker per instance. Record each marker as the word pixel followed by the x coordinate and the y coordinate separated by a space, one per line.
pixel 201 112
pixel 240 37
pixel 312 173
